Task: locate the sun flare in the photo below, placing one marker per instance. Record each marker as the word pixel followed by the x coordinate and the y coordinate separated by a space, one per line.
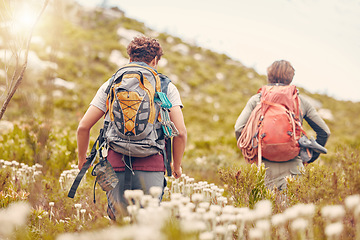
pixel 24 18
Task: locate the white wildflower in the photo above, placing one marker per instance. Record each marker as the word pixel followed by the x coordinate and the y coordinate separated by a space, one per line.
pixel 249 216
pixel 226 218
pixel 307 210
pixel 299 224
pixel 15 215
pixel 51 204
pixel 204 205
pixel 78 206
pixel 37 165
pixel 210 217
pixel 176 196
pixel 352 201
pixel 193 226
pixel 256 234
pixel 83 211
pixel 263 225
pixel 190 206
pixel 263 209
pixel 201 210
pixel 229 209
pixel 185 200
pixel 222 201
pixel 242 210
pixel 291 213
pixel 145 200
pixel 132 210
pixel 196 198
pixel 155 191
pixel 137 194
pixel 126 219
pixel 216 209
pixel 334 230
pixel 220 231
pixel 206 236
pixel 232 228
pixel 128 194
pixel 278 219
pixel 333 212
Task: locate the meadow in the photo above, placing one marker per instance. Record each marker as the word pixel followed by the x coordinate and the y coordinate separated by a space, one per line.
pixel 322 204
pixel 74 50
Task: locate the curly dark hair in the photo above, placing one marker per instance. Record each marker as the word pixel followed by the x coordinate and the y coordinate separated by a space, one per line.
pixel 144 49
pixel 280 72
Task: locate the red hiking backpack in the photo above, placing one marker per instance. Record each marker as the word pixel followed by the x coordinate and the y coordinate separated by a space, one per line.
pixel 274 127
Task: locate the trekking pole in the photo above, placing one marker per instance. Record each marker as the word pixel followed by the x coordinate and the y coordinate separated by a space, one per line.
pixel 259 154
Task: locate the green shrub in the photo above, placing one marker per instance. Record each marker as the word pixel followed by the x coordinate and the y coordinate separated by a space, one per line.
pixel 39 142
pixel 246 184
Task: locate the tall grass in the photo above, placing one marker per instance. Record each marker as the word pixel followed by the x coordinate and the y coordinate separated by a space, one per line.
pixel 323 203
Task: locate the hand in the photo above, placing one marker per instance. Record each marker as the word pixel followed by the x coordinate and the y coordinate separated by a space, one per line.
pixel 81 162
pixel 177 172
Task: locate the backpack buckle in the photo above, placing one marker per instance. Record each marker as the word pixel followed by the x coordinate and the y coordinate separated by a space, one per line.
pixel 104 150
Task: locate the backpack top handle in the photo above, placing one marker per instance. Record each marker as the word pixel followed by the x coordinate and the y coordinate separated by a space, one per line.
pixel 119 79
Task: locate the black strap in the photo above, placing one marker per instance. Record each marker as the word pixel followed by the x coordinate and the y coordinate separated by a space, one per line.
pixel 84 168
pixel 94 191
pixel 78 178
pixel 168 156
pixel 128 173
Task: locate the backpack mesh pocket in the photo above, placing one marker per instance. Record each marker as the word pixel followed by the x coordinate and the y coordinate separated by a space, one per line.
pixel 105 175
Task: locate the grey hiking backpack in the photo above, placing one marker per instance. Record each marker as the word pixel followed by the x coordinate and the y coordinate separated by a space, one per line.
pixel 135 104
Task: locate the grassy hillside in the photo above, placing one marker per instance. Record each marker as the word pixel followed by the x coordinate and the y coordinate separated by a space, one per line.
pixel 75 48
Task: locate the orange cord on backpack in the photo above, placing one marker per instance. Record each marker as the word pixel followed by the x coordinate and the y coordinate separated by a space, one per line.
pixel 245 141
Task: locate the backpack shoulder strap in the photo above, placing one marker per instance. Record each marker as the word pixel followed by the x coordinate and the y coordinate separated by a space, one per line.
pixel 167 152
pixel 165 80
pixel 111 80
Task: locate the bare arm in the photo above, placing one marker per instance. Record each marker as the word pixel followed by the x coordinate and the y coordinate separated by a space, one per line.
pixel 179 141
pixel 92 115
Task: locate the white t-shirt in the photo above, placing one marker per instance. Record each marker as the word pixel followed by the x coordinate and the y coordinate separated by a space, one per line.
pixel 99 100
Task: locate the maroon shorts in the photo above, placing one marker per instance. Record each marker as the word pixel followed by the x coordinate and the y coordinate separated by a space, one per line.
pixel 153 163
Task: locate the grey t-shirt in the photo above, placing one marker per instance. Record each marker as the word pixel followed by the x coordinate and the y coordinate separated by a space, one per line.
pixel 99 100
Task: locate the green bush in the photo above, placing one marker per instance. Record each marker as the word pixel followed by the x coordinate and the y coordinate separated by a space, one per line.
pixel 39 142
pixel 246 184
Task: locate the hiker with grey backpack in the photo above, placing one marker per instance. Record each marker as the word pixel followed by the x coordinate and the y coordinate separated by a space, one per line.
pixel 269 129
pixel 144 133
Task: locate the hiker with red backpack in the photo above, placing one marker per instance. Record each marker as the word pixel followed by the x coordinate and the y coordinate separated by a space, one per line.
pixel 142 110
pixel 269 129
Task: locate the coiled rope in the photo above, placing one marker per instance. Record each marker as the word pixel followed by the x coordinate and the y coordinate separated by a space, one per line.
pixel 248 142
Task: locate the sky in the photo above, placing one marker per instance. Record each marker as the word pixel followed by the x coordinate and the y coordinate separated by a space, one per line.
pixel 321 38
